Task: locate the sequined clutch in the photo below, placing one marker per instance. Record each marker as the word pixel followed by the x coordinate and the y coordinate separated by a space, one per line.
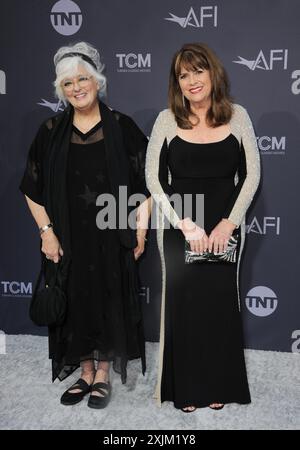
pixel 229 256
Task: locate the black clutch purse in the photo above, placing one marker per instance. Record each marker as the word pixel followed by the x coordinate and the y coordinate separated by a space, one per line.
pixel 229 256
pixel 49 305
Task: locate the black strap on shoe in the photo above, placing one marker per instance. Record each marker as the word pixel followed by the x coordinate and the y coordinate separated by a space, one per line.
pixel 80 384
pixel 98 387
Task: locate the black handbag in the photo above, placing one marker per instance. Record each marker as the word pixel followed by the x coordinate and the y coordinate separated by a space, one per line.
pixel 48 305
pixel 229 256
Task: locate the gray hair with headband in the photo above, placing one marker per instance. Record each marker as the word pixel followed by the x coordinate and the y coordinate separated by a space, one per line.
pixel 68 58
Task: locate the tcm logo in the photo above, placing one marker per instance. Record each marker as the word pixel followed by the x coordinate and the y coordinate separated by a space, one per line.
pixel 206 15
pixel 296 344
pixel 145 292
pixel 2 82
pixel 295 88
pixel 132 62
pixel 261 301
pixel 272 145
pixel 266 62
pixel 2 343
pixel 66 17
pixel 54 106
pixel 266 225
pixel 16 288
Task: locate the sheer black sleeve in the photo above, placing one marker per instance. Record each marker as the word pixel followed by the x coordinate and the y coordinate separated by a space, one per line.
pixel 242 174
pixel 135 143
pixel 32 181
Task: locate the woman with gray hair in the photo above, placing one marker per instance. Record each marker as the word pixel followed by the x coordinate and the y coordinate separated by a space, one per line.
pixel 77 155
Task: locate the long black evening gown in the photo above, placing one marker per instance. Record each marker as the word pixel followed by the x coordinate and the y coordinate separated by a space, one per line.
pixel 203 360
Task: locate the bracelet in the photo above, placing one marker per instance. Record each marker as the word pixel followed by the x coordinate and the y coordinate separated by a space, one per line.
pixel 46 227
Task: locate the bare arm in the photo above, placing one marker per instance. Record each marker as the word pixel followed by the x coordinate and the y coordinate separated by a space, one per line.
pixel 142 219
pixel 50 244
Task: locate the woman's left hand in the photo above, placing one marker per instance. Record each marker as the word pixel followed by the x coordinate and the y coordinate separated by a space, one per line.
pixel 139 249
pixel 220 235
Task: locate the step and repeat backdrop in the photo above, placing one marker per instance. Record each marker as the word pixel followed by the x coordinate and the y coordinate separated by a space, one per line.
pixel 258 42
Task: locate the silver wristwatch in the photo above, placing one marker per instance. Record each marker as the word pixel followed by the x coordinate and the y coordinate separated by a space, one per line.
pixel 45 227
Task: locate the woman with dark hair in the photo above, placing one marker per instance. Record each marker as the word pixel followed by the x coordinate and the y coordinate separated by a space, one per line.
pixel 87 152
pixel 203 144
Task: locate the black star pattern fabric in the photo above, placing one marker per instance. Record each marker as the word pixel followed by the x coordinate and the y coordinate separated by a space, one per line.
pixel 89 197
pixel 100 177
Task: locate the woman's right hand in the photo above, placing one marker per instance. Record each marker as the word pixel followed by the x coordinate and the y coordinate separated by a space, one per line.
pixel 195 235
pixel 51 246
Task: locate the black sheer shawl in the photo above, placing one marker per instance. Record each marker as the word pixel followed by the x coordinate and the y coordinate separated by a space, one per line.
pixel 44 181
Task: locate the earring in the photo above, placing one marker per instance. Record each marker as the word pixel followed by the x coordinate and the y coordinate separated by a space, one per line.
pixel 183 100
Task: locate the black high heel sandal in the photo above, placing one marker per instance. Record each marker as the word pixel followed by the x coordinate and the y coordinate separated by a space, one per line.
pixel 217 407
pixel 187 410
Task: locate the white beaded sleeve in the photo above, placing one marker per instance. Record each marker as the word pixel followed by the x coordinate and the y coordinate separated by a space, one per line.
pixel 158 135
pixel 243 123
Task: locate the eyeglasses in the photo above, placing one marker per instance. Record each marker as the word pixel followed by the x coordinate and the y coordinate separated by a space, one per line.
pixel 82 81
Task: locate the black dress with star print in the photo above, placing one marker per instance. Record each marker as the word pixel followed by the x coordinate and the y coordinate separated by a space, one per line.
pixel 99 322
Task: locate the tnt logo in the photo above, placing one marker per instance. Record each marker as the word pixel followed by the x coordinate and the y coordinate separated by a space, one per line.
pixel 133 62
pixel 16 288
pixel 2 343
pixel 66 17
pixel 261 301
pixel 296 344
pixel 2 82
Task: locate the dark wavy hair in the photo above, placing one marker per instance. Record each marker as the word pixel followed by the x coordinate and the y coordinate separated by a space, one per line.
pixel 193 57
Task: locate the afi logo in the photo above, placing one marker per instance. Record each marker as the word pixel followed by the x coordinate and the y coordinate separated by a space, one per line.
pixel 132 62
pixel 12 288
pixel 296 344
pixel 66 17
pixel 266 62
pixel 58 106
pixel 262 227
pixel 271 145
pixel 206 13
pixel 2 82
pixel 296 84
pixel 261 301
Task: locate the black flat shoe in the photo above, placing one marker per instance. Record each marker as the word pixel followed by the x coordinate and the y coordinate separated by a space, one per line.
pixel 69 398
pixel 97 402
pixel 216 407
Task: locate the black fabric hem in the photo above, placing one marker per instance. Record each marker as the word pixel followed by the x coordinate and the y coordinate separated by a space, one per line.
pixel 32 197
pixel 206 404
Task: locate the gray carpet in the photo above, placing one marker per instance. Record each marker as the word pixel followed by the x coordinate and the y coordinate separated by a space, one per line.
pixel 28 399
